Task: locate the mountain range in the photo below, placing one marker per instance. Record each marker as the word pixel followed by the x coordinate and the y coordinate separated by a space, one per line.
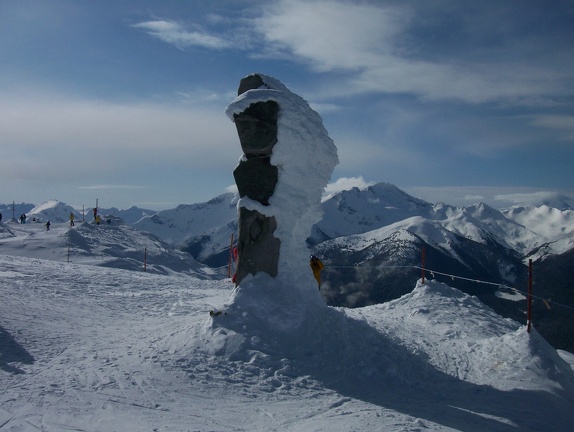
pixel 372 242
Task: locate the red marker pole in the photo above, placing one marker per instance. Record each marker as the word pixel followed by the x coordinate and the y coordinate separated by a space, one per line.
pixel 529 304
pixel 423 264
pixel 230 257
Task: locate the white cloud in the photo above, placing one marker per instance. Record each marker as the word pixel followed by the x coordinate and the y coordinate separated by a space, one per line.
pixel 315 31
pixel 175 34
pixel 47 139
pixel 382 55
pixel 110 186
pixel 474 198
pixel 345 183
pixel 561 123
pixel 232 189
pixel 537 198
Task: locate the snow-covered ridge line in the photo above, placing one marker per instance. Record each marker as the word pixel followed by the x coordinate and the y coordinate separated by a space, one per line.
pixel 523 229
pixel 108 245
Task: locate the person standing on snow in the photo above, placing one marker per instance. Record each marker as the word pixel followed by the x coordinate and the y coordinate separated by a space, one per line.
pixel 71 220
pixel 316 266
pixel 48 225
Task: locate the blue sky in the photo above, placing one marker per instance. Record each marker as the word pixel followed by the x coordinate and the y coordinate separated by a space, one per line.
pixel 124 101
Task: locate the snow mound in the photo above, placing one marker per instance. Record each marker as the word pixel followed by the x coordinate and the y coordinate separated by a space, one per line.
pixel 433 344
pixel 120 246
pixel 487 348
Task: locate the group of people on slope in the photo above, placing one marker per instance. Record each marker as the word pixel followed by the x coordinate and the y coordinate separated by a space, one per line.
pixel 23 217
pixel 97 219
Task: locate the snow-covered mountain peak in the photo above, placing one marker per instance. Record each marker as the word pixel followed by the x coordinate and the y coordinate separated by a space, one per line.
pixel 52 210
pixel 356 211
pixel 431 232
pixel 391 194
pixel 483 224
pixel 554 200
pixel 482 211
pixel 548 222
pixel 50 204
pixel 445 211
pixel 187 220
pixel 522 230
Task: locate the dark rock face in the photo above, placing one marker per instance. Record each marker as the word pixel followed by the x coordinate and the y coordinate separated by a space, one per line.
pixel 258 249
pixel 256 178
pixel 257 128
pixel 250 82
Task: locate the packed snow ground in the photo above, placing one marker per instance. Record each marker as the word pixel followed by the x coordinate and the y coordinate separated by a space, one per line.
pixel 101 349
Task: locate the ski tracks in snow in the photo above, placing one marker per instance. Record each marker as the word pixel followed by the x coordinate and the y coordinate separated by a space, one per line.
pixel 95 349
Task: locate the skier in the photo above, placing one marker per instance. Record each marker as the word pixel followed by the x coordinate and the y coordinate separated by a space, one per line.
pixel 98 219
pixel 316 266
pixel 0 217
pixel 48 225
pixel 71 220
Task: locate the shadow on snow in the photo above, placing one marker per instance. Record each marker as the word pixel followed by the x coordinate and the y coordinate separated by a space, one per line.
pixel 12 352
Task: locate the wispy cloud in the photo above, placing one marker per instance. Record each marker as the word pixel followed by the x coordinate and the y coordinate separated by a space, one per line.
pixel 495 196
pixel 392 47
pixel 110 186
pixel 89 140
pixel 561 123
pixel 385 51
pixel 537 198
pixel 175 34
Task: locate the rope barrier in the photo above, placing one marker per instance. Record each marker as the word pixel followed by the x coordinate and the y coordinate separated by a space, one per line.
pixel 547 302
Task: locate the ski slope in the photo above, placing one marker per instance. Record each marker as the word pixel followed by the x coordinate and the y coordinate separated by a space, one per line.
pixel 91 348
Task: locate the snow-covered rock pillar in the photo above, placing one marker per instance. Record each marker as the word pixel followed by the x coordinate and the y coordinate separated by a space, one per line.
pixel 256 178
pixel 287 162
